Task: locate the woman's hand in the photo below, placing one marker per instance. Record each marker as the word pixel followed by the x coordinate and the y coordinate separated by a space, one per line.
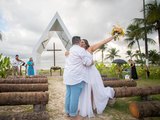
pixel 66 53
pixel 117 31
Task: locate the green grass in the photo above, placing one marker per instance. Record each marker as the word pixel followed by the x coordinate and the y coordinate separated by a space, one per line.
pixel 148 82
pixel 43 72
pixel 121 105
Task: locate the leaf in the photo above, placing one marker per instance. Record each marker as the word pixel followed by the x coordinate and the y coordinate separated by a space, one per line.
pixel 4 66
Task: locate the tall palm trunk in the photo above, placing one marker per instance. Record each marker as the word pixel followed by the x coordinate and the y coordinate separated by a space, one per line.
pixel 158 28
pixel 139 49
pixel 159 38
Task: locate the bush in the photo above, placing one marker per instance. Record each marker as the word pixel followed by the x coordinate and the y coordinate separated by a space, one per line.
pixel 113 70
pixel 120 71
pixel 154 72
pixel 101 68
pixel 5 66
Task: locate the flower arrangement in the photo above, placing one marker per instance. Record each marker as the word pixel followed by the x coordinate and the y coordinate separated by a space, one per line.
pixel 117 31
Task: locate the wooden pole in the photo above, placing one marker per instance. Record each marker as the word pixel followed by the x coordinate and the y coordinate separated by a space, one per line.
pixel 136 91
pixel 23 98
pixel 108 79
pixel 120 83
pixel 145 109
pixel 23 80
pixel 36 76
pixel 23 87
pixel 26 116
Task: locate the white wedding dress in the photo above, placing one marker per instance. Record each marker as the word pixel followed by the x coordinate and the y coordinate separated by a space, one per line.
pixel 101 94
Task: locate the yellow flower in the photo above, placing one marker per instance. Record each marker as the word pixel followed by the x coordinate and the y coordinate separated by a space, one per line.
pixel 118 31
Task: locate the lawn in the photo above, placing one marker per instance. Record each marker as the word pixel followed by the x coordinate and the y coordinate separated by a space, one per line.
pixel 120 108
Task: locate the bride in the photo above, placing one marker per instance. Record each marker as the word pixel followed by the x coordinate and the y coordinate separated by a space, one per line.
pixel 94 96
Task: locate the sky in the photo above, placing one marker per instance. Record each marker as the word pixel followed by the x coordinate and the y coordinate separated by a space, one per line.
pixel 22 22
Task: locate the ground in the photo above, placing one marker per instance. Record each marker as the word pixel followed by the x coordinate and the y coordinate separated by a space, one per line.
pixel 55 106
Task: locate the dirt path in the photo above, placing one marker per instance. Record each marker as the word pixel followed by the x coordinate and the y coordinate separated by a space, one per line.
pixel 56 103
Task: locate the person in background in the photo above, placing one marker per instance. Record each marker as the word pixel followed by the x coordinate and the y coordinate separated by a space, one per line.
pixel 16 65
pixel 30 67
pixel 134 75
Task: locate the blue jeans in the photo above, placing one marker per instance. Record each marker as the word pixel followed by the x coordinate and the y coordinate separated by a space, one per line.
pixel 72 98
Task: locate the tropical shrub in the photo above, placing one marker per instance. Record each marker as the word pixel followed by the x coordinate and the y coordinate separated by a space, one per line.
pixel 113 70
pixel 154 72
pixel 101 68
pixel 5 66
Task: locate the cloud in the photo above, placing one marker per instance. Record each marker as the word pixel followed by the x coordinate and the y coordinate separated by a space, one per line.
pixel 25 21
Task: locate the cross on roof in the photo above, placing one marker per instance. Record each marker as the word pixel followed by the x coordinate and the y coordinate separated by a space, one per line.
pixel 54 53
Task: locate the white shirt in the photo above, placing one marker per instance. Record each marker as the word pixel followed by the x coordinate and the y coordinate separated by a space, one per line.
pixel 75 70
pixel 15 63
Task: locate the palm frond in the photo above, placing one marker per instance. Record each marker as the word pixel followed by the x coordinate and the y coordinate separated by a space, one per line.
pixel 130 45
pixel 151 41
pixel 138 21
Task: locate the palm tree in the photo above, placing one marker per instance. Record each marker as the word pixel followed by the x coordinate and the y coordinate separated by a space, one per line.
pixel 153 56
pixel 112 53
pixel 153 17
pixel 130 55
pixel 139 57
pixel 135 33
pixel 102 49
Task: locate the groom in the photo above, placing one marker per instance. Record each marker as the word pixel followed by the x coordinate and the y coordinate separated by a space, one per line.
pixel 75 75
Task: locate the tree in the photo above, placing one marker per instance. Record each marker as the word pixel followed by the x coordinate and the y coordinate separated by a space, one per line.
pixel 154 57
pixel 140 57
pixel 130 55
pixel 112 53
pixel 153 17
pixel 102 49
pixel 135 33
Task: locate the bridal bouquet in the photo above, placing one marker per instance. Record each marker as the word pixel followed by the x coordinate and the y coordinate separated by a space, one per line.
pixel 118 31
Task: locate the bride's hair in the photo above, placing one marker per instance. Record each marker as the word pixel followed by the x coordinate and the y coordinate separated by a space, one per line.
pixel 87 44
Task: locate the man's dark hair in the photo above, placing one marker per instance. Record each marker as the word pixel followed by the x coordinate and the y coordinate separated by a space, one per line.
pixel 17 55
pixel 76 40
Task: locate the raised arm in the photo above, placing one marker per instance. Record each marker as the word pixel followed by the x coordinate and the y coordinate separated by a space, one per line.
pixel 20 61
pixel 97 45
